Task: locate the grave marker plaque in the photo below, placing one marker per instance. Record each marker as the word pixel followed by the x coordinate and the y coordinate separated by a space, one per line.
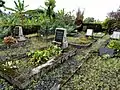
pixel 105 50
pixel 115 35
pixel 16 31
pixel 21 36
pixel 59 35
pixel 89 32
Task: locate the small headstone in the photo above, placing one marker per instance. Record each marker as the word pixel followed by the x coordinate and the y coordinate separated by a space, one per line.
pixel 21 36
pixel 115 35
pixel 89 32
pixel 18 32
pixel 61 37
pixel 84 28
pixel 15 31
pixel 105 50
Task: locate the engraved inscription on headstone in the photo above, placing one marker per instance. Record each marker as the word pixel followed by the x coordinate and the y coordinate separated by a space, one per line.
pixel 59 35
pixel 16 31
pixel 105 50
pixel 115 35
pixel 89 32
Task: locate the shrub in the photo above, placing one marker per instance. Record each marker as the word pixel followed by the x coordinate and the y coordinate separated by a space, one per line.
pixel 114 44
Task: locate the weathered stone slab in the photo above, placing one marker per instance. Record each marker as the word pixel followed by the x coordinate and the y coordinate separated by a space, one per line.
pixel 105 50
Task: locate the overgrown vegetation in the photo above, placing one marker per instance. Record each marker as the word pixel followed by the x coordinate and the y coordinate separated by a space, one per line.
pixel 114 44
pixel 96 73
pixel 41 56
pixel 80 41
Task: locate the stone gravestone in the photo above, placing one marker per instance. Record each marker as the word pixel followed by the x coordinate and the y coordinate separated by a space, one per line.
pixel 61 37
pixel 89 32
pixel 18 32
pixel 115 35
pixel 105 50
pixel 84 28
pixel 21 36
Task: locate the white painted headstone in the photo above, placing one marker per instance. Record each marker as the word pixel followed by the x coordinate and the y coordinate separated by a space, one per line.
pixel 89 32
pixel 21 36
pixel 60 36
pixel 115 35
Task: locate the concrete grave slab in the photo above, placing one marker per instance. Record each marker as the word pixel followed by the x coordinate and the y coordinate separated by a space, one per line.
pixel 105 50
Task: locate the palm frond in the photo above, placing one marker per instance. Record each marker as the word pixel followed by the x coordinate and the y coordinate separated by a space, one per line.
pixel 9 8
pixel 20 5
pixel 16 6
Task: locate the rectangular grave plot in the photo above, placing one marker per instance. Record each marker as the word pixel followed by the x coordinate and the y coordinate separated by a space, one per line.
pixel 23 79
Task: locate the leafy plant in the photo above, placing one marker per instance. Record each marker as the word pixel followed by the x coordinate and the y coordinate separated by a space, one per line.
pixel 113 20
pixel 114 44
pixel 19 10
pixel 4 31
pixel 44 55
pixel 50 4
pixel 1 40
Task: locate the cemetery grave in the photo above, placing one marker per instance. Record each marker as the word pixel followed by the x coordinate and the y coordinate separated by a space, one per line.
pixel 82 40
pixel 35 61
pixel 112 46
pixel 99 34
pixel 115 35
pixel 42 49
pixel 57 72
